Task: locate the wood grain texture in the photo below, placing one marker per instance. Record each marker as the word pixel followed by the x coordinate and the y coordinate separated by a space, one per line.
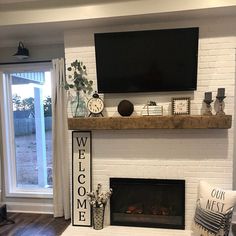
pixel 34 224
pixel 151 122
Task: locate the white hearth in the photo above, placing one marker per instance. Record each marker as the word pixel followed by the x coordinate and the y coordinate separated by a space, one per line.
pixel 124 231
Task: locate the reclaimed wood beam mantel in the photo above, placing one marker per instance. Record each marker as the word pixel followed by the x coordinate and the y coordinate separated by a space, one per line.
pixel 150 122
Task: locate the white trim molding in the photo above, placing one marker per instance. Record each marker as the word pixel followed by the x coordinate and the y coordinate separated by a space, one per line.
pixel 25 207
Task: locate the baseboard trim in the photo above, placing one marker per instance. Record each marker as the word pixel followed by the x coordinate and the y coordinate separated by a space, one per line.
pixel 23 207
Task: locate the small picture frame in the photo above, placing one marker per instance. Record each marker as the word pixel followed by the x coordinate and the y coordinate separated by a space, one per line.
pixel 181 106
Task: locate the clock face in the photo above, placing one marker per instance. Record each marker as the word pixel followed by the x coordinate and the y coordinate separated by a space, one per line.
pixel 95 105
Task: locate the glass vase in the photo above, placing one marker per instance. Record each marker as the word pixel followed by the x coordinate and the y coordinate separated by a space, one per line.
pixel 78 105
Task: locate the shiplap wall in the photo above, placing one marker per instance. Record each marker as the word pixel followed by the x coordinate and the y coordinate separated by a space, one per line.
pixel 173 154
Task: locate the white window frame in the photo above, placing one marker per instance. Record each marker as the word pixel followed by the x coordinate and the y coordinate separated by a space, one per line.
pixel 11 189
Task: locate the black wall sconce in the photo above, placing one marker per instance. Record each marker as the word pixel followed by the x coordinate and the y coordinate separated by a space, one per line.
pixel 22 52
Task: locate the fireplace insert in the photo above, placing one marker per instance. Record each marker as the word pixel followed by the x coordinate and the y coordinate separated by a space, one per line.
pixel 158 203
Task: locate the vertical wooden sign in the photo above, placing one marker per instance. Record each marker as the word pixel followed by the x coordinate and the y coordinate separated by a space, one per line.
pixel 81 177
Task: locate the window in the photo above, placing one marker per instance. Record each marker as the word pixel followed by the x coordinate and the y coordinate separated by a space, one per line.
pixel 27 126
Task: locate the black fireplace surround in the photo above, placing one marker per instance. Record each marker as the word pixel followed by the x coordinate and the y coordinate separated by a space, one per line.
pixel 156 203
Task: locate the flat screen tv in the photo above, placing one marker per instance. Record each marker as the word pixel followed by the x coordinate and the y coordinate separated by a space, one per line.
pixel 147 61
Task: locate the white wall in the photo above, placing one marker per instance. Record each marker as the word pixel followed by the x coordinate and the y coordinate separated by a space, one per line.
pixel 37 53
pixel 186 154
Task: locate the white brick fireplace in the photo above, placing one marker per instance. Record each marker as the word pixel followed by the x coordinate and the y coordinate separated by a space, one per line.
pixel 191 155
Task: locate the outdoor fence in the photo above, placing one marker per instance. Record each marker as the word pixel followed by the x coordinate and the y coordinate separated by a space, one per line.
pixel 26 126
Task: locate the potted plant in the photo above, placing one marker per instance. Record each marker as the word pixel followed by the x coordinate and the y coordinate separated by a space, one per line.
pixel 98 201
pixel 78 82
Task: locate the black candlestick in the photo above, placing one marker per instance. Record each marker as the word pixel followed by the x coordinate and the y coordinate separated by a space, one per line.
pixel 221 92
pixel 208 96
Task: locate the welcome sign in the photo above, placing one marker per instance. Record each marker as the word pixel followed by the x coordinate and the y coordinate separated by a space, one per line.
pixel 81 178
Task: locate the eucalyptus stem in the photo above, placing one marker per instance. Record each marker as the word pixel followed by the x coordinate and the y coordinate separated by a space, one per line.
pixel 77 104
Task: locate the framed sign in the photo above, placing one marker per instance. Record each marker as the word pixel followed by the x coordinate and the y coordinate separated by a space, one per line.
pixel 181 106
pixel 81 177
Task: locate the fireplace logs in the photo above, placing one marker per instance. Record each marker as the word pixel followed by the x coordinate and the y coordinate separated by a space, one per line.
pixel 134 209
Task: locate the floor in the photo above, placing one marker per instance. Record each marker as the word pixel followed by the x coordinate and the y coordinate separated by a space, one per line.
pixel 41 225
pixel 34 225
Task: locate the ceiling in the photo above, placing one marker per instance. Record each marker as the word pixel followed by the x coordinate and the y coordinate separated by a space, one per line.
pixel 9 5
pixel 53 32
pixel 16 1
pixel 43 33
pixel 48 33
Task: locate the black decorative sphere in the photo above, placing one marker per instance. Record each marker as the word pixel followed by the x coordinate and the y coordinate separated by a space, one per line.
pixel 125 108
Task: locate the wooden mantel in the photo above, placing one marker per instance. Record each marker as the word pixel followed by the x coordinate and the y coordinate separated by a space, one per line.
pixel 150 122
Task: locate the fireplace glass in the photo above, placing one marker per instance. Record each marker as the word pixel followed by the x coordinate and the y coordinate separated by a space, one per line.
pixel 148 203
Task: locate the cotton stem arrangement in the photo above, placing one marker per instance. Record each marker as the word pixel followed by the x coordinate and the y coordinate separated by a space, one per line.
pixel 98 198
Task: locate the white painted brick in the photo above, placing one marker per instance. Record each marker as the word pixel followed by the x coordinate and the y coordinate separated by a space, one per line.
pixel 228 39
pixel 221 45
pixel 192 155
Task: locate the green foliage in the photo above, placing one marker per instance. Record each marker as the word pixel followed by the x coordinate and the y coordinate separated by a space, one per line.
pixel 78 77
pixel 27 104
pixel 22 104
pixel 16 100
pixel 47 106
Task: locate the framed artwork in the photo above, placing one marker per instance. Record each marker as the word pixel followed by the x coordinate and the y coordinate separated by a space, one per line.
pixel 81 177
pixel 181 106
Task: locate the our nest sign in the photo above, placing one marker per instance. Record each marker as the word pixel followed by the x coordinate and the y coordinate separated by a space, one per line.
pixel 81 178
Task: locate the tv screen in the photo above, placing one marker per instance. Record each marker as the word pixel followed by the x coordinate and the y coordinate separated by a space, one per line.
pixel 147 61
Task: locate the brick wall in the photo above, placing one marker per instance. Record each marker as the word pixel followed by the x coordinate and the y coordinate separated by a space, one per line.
pixel 173 154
